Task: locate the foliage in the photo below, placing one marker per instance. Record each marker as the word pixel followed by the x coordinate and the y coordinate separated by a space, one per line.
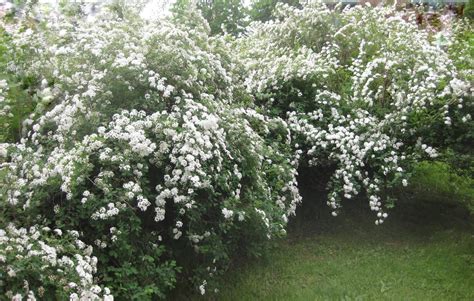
pixel 469 10
pixel 229 16
pixel 262 10
pixel 438 182
pixel 15 101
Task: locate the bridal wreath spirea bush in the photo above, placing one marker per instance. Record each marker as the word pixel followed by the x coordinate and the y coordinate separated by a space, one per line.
pixel 138 145
pixel 365 91
pixel 151 153
pixel 48 266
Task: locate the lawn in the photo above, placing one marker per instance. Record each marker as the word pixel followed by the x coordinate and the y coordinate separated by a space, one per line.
pixel 423 252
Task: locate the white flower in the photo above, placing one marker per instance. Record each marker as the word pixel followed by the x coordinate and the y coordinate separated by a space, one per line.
pixel 210 123
pixel 202 287
pixel 17 297
pixel 3 150
pixel 227 213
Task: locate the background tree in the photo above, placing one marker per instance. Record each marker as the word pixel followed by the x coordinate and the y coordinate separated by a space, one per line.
pixel 262 10
pixel 469 10
pixel 229 16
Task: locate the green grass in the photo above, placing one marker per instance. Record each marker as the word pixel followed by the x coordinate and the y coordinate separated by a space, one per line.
pixel 347 268
pixel 424 253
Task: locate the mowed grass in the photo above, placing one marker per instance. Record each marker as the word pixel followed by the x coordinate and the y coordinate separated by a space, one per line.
pixel 352 268
pixel 423 253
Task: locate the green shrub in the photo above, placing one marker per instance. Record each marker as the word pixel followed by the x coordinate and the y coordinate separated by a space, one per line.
pixel 15 102
pixel 438 182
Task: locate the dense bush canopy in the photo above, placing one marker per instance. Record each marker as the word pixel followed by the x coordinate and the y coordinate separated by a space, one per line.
pixel 360 88
pixel 151 151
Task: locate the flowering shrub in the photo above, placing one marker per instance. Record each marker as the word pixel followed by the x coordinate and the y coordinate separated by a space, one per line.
pixel 47 264
pixel 158 153
pixel 365 92
pixel 138 143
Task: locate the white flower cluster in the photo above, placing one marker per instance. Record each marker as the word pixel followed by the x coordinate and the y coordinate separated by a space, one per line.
pixel 29 256
pixel 108 212
pixel 5 112
pixel 3 95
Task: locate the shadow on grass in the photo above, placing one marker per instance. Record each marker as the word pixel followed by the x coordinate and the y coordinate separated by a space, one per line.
pixel 410 218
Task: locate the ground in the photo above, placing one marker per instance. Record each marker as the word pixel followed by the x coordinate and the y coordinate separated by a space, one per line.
pixel 361 262
pixel 424 251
